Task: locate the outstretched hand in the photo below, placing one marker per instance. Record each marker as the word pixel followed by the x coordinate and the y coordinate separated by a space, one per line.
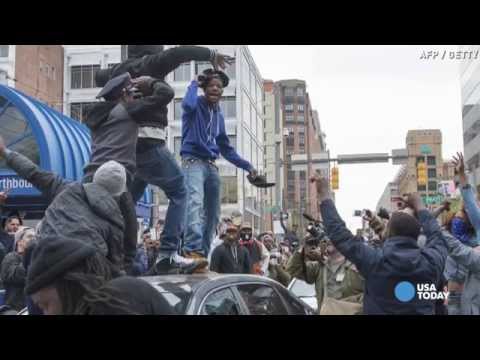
pixel 221 61
pixel 323 186
pixel 460 168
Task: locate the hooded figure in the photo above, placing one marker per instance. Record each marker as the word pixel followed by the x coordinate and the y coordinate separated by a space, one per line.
pixel 399 260
pixel 85 212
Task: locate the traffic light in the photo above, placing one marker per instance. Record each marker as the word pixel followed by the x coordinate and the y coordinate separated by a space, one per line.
pixel 421 174
pixel 334 178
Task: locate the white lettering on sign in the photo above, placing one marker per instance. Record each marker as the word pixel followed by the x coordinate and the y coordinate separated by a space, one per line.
pixel 15 184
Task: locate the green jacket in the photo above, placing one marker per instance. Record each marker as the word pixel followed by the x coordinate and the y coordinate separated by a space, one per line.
pixel 280 274
pixel 343 280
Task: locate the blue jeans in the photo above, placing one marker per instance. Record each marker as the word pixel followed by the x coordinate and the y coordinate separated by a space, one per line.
pixel 158 167
pixel 203 204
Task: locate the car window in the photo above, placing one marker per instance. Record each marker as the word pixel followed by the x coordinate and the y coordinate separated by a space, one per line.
pixel 296 307
pixel 301 289
pixel 222 302
pixel 262 300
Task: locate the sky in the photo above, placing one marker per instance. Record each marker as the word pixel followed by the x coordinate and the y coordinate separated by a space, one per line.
pixel 367 98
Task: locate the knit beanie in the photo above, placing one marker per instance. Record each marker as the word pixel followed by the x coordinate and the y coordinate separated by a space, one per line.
pixel 52 259
pixel 402 224
pixel 112 177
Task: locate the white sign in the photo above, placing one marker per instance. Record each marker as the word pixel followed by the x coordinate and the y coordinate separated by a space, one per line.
pixel 277 227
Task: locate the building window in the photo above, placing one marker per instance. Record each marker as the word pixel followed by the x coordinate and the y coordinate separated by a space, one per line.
pixel 300 108
pixel 289 107
pixel 177 110
pixel 201 66
pixel 17 134
pixel 182 73
pixel 301 119
pixel 432 186
pixel 229 192
pixel 289 92
pixel 431 160
pixel 432 173
pixel 4 50
pixel 83 76
pixel 300 92
pixel 229 107
pixel 421 187
pixel 78 111
pixel 289 118
pixel 301 142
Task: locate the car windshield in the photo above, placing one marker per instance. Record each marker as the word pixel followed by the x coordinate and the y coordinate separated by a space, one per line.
pixel 301 289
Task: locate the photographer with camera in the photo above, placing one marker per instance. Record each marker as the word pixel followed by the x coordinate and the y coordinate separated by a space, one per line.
pixel 318 262
pixel 399 260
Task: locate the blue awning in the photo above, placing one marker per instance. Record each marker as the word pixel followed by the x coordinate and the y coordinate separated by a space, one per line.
pixel 57 143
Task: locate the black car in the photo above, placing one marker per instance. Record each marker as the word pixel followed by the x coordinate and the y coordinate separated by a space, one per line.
pixel 219 294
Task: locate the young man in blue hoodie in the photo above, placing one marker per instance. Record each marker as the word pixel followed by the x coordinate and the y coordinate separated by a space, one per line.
pixel 204 138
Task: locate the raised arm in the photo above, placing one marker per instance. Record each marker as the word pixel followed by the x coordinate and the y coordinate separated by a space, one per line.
pixel 462 254
pixel 189 103
pixel 468 195
pixel 48 183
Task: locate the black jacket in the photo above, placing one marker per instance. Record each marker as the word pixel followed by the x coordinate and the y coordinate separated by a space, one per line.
pixel 140 296
pixel 223 262
pixel 158 66
pixel 13 276
pixel 83 212
pixel 400 259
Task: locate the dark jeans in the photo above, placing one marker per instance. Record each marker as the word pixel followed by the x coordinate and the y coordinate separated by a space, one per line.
pixel 157 166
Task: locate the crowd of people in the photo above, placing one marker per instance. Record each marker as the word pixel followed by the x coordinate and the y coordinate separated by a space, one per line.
pixel 84 257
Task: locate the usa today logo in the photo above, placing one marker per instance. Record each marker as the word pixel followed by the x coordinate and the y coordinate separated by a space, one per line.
pixel 405 291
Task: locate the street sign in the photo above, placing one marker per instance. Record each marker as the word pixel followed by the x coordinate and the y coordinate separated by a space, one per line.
pixel 432 200
pixel 363 158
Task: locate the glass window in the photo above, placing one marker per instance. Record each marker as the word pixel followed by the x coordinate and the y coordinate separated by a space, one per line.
pixel 431 160
pixel 289 92
pixel 18 135
pixel 182 73
pixel 300 107
pixel 83 76
pixel 300 92
pixel 432 173
pixel 4 50
pixel 421 188
pixel 432 186
pixel 289 107
pixel 260 128
pixel 262 300
pixel 301 119
pixel 229 107
pixel 229 192
pixel 252 85
pixel 78 111
pixel 222 302
pixel 177 111
pixel 200 66
pixel 289 118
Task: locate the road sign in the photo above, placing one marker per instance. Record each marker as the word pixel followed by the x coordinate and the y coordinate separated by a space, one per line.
pixel 363 158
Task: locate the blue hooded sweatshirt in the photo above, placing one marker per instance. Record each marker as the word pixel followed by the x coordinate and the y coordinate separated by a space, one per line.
pixel 203 131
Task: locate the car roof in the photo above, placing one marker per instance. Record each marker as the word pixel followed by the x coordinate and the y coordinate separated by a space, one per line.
pixel 190 283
